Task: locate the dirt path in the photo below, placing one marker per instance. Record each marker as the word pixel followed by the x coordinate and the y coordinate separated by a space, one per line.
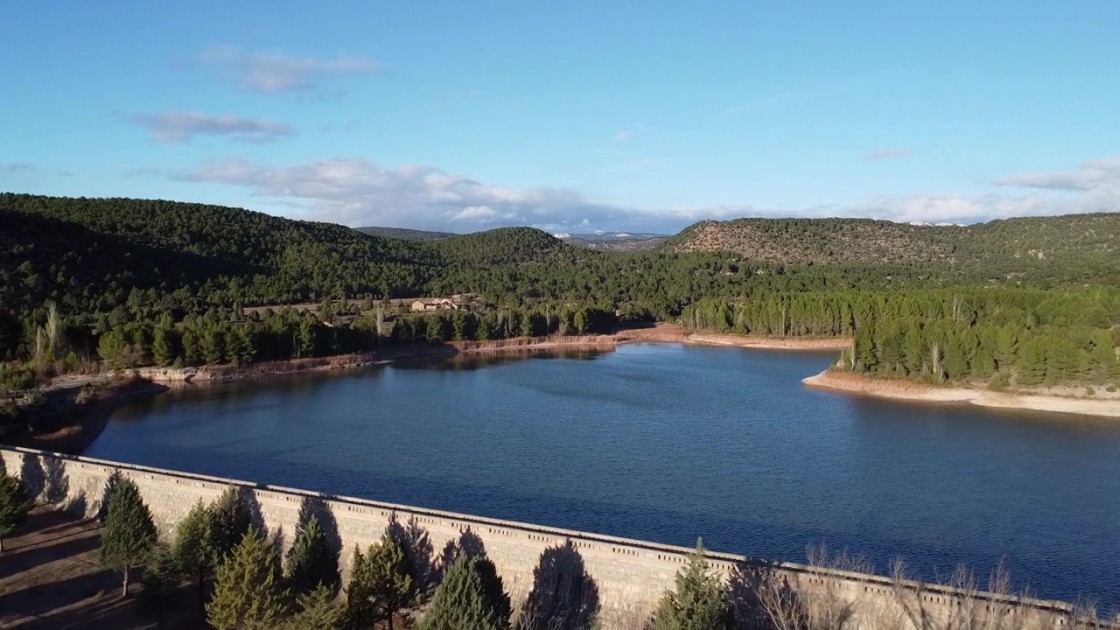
pixel 50 577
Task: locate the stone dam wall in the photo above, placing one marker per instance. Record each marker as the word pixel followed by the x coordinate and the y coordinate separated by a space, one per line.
pixel 629 576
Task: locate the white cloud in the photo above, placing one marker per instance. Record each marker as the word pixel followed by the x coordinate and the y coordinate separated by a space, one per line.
pixel 270 72
pixel 359 192
pixel 1089 176
pixel 182 127
pixel 622 136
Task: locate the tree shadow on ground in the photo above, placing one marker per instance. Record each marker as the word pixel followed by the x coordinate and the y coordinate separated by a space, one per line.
pixel 564 596
pixel 419 553
pixel 763 598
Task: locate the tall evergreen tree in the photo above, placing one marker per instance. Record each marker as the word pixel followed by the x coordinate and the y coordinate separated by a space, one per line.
pixel 699 600
pixel 129 532
pixel 249 592
pixel 359 592
pixel 318 610
pixel 196 547
pixel 389 588
pixel 233 521
pixel 464 601
pixel 161 578
pixel 310 562
pixel 14 505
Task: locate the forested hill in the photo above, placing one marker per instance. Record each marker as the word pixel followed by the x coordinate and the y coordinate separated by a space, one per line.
pixel 503 246
pixel 87 254
pixel 1007 246
pixel 403 233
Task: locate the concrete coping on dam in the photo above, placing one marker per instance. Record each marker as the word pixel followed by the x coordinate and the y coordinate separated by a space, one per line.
pixel 662 554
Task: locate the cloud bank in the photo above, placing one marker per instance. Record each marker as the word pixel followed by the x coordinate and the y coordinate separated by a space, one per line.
pixel 360 192
pixel 272 72
pixel 182 127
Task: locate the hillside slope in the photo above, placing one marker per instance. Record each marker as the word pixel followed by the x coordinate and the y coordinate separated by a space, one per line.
pixel 80 251
pixel 1090 241
pixel 404 234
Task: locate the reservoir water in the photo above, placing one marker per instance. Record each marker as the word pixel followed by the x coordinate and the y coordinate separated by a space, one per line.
pixel 669 443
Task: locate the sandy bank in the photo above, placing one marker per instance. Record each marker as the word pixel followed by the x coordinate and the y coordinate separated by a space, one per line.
pixel 671 333
pixel 907 390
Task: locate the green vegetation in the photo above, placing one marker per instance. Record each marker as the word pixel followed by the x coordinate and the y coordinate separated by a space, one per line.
pixel 470 597
pixel 310 562
pixel 195 551
pixel 380 586
pixel 404 234
pixel 995 336
pixel 249 592
pixel 129 533
pixel 699 601
pixel 14 505
pixel 134 282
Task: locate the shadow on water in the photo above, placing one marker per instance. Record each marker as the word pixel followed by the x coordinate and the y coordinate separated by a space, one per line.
pixel 563 594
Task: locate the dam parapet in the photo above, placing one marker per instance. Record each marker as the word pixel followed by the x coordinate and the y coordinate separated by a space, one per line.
pixel 628 577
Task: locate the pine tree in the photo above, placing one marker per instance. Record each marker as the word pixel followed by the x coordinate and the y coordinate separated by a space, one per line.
pixel 464 601
pixel 390 586
pixel 195 549
pixel 318 610
pixel 14 505
pixel 163 347
pixel 161 578
pixel 232 522
pixel 699 602
pixel 359 592
pixel 129 532
pixel 248 592
pixel 310 561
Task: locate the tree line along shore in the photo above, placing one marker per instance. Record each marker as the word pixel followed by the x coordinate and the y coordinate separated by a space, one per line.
pixel 90 285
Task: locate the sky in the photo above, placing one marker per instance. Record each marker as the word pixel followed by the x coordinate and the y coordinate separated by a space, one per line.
pixel 569 116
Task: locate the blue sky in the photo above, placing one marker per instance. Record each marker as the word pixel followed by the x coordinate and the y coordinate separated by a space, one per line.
pixel 569 116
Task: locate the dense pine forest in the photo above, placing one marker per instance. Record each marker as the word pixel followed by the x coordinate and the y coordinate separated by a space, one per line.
pixel 136 282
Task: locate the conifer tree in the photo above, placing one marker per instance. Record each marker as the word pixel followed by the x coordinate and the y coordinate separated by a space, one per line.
pixel 248 592
pixel 470 597
pixel 393 590
pixel 359 592
pixel 14 505
pixel 195 549
pixel 161 577
pixel 232 521
pixel 163 347
pixel 699 601
pixel 310 562
pixel 129 532
pixel 318 610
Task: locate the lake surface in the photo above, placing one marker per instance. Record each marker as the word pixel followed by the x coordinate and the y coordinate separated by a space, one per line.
pixel 668 443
